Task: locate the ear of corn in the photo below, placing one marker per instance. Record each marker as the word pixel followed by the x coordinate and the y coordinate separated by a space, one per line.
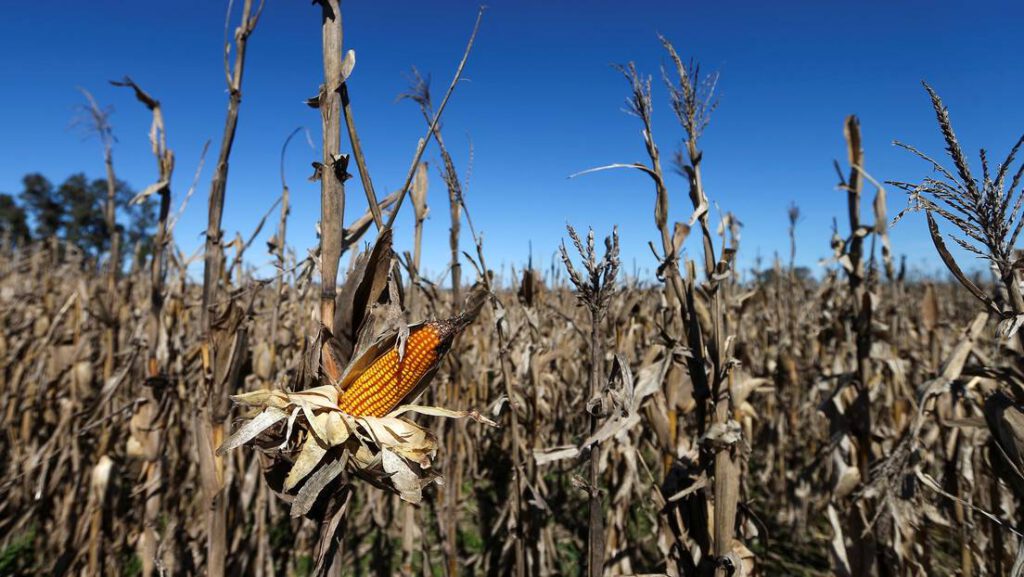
pixel 388 380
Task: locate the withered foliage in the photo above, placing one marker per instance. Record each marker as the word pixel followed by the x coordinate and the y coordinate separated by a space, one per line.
pixel 78 449
pixel 704 422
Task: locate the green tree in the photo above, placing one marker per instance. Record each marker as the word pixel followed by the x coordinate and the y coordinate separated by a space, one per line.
pixel 40 200
pixel 74 211
pixel 84 225
pixel 13 220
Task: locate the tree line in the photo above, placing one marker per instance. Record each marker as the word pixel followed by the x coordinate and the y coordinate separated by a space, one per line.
pixel 73 212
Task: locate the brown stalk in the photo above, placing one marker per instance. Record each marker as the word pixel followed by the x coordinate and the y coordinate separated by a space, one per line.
pixel 455 429
pixel 158 357
pixel 334 169
pixel 357 149
pixel 693 104
pixel 213 270
pixel 420 210
pixel 100 123
pixel 862 552
pixel 419 93
pixel 212 413
pixel 280 238
pixel 594 291
pixel 693 110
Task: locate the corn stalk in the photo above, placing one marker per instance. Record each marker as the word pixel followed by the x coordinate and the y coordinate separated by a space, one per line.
pixel 220 362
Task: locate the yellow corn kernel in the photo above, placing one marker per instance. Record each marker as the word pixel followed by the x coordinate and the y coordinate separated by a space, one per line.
pixel 387 381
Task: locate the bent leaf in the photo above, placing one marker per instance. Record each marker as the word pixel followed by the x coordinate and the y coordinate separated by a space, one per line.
pixel 249 431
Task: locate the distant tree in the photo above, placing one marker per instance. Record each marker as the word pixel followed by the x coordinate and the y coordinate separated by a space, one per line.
pixel 84 225
pixel 13 221
pixel 39 198
pixel 74 211
pixel 802 274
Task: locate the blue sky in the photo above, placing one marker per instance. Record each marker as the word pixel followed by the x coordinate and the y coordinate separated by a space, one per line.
pixel 540 102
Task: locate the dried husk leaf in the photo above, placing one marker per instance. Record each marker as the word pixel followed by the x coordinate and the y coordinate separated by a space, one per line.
pixel 309 457
pixel 262 398
pixel 252 428
pixel 312 488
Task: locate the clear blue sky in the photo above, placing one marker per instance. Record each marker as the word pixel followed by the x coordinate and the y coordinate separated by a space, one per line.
pixel 540 102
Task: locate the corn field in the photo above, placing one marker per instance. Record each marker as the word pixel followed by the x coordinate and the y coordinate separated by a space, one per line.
pixel 344 415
